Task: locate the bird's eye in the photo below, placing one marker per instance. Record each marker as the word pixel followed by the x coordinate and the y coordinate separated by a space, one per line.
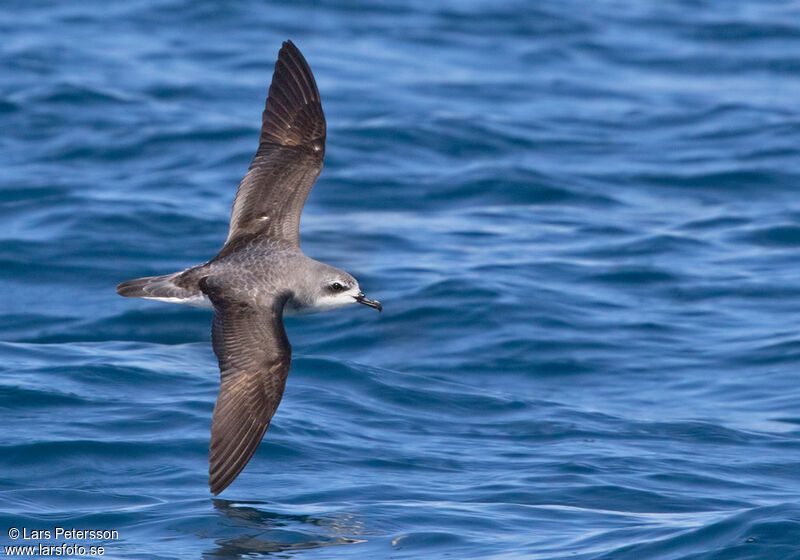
pixel 336 287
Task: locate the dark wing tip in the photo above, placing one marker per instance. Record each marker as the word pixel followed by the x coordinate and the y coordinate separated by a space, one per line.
pixel 293 113
pixel 234 439
pixel 289 45
pixel 242 414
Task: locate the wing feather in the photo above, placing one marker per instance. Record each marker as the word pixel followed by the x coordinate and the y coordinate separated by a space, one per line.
pixel 272 194
pixel 254 356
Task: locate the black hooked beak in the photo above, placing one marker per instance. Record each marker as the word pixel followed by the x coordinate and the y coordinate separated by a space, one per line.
pixel 374 303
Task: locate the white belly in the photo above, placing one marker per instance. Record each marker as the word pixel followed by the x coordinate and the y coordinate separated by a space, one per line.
pixel 194 301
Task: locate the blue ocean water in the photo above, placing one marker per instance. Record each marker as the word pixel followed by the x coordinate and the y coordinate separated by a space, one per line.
pixel 581 217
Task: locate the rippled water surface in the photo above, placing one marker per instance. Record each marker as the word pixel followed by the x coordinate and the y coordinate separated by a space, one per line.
pixel 583 221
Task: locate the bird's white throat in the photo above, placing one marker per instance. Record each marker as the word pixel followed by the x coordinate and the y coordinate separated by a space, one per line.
pixel 325 303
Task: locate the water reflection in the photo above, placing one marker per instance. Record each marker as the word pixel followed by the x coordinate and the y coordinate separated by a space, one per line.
pixel 249 528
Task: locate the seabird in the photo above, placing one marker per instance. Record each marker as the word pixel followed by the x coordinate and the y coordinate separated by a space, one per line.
pixel 261 274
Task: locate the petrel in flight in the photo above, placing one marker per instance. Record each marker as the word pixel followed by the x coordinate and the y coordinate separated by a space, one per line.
pixel 261 274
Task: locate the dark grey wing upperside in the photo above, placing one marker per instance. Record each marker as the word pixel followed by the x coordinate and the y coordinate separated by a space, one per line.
pixel 254 356
pixel 271 196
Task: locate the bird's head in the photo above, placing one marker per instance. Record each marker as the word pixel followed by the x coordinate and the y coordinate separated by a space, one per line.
pixel 327 288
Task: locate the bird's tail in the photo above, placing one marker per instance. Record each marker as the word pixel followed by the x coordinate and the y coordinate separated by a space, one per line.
pixel 178 287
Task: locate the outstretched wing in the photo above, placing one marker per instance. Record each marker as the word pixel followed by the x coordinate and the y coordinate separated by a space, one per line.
pixel 254 356
pixel 271 196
